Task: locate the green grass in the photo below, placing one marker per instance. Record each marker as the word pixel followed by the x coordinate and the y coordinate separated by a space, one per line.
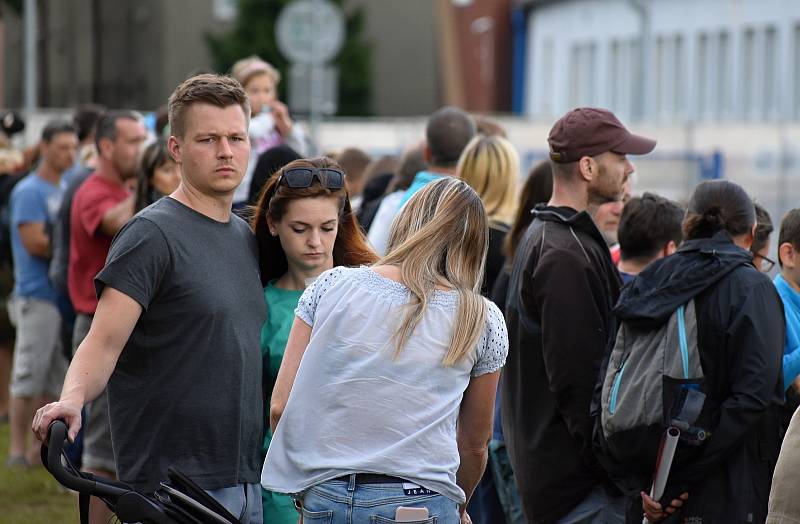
pixel 32 496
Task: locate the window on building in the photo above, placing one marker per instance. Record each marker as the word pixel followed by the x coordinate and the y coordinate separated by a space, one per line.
pixel 590 94
pixel 678 76
pixel 547 77
pixel 796 101
pixel 575 76
pixel 769 96
pixel 748 73
pixel 622 58
pixel 661 76
pixel 614 72
pixel 632 94
pixel 583 59
pixel 722 98
pixel 702 75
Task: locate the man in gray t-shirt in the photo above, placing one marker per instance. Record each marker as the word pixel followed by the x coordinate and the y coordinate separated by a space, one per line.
pixel 194 351
pixel 176 331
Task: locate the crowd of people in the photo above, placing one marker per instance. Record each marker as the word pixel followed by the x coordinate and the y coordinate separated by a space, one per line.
pixel 431 337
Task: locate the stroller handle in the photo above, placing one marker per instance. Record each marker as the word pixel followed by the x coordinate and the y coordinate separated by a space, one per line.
pixel 57 437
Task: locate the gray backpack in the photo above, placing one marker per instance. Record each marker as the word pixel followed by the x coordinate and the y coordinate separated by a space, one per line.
pixel 654 380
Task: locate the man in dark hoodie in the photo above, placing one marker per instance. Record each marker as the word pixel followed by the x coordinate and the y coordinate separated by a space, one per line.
pixel 563 286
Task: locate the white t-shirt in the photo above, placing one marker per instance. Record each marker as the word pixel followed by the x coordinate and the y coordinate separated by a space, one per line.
pixel 378 234
pixel 354 408
pixel 264 136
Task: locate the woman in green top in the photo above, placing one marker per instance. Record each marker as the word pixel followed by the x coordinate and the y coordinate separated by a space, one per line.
pixel 304 226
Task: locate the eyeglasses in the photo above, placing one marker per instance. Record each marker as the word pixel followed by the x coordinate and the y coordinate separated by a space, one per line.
pixel 303 177
pixel 765 265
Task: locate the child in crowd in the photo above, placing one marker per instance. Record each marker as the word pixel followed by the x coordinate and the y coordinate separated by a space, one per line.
pixel 270 123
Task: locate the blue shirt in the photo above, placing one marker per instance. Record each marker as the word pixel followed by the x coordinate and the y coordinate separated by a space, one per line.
pixel 422 179
pixel 32 200
pixel 791 348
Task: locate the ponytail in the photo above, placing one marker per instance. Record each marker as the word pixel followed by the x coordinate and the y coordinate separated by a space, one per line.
pixel 718 205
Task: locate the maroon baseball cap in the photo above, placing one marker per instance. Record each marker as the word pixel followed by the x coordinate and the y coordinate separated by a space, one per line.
pixel 589 131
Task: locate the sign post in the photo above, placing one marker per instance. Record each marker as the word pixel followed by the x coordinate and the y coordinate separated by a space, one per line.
pixel 309 34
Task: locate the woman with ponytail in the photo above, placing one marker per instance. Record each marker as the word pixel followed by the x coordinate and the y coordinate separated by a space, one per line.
pixel 392 405
pixel 740 334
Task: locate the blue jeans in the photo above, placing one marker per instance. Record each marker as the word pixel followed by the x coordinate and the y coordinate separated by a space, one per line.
pixel 339 502
pixel 597 508
pixel 505 485
pixel 242 501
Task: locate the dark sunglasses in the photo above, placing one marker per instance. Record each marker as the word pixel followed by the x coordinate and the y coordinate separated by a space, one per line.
pixel 303 177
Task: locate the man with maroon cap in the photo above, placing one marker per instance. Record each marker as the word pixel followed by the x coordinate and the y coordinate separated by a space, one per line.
pixel 563 287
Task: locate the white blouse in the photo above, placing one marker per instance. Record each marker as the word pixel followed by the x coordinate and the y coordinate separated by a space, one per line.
pixel 355 408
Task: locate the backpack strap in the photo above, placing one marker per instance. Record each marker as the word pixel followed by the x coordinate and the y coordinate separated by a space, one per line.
pixel 684 345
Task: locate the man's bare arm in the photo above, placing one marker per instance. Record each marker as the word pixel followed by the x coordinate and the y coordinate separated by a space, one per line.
pixel 34 239
pixel 116 217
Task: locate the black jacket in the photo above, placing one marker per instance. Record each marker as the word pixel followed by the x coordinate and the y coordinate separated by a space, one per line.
pixel 740 339
pixel 562 289
pixel 495 259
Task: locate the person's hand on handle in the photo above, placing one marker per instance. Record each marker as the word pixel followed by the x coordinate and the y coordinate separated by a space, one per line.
pixel 465 519
pixel 63 410
pixel 653 511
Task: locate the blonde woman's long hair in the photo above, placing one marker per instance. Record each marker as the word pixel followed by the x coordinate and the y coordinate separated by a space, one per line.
pixel 490 165
pixel 440 238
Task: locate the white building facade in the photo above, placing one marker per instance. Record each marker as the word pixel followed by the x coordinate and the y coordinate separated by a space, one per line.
pixel 716 82
pixel 666 61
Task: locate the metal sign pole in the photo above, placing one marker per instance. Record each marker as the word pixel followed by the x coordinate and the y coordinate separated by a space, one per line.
pixel 31 23
pixel 310 33
pixel 315 77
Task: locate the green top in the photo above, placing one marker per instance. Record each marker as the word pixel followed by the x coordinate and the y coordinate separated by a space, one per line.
pixel 281 304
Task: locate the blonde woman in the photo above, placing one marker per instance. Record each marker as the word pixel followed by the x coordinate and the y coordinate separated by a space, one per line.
pixel 490 165
pixel 395 357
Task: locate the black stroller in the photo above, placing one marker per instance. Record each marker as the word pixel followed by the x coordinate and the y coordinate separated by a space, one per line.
pixel 178 501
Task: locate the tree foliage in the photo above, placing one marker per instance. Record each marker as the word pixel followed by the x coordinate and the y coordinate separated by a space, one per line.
pixel 14 5
pixel 253 33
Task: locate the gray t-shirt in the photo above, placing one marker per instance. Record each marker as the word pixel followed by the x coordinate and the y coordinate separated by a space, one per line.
pixel 186 391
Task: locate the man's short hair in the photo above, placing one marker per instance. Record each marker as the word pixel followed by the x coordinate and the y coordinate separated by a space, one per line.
pixel 564 170
pixel 217 90
pixel 354 162
pixel 790 229
pixel 55 127
pixel 448 132
pixel 107 124
pixel 647 224
pixel 86 118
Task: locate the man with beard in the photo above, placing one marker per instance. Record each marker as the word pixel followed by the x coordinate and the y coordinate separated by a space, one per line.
pixel 562 289
pixel 101 206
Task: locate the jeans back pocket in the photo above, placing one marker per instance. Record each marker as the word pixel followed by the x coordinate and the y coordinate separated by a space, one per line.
pixel 317 517
pixel 376 519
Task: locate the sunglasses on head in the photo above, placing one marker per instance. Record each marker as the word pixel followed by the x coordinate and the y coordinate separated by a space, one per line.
pixel 304 176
